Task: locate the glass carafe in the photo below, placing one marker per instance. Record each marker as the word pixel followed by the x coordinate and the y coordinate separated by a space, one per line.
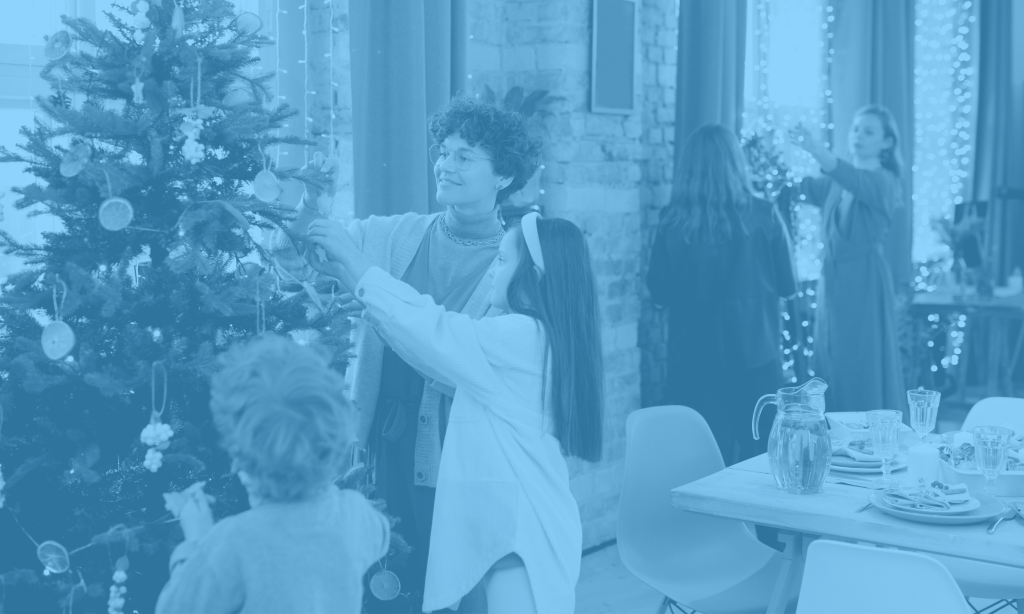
pixel 799 447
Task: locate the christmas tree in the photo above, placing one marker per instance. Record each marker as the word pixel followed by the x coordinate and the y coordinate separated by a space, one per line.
pixel 153 153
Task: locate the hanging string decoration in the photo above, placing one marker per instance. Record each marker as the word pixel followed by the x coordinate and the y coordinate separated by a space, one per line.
pixel 157 435
pixel 58 339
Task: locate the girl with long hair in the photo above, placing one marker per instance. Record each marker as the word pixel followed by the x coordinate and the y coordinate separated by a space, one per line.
pixel 721 262
pixel 855 336
pixel 528 390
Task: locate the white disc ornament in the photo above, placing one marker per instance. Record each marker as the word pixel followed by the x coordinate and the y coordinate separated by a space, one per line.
pixel 53 556
pixel 116 213
pixel 266 187
pixel 75 160
pixel 248 24
pixel 58 45
pixel 385 585
pixel 58 340
pixel 324 204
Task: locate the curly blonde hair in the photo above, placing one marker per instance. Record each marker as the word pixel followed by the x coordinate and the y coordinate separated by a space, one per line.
pixel 283 416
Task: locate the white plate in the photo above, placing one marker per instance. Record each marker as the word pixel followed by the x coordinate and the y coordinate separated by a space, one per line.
pixel 954 509
pixel 896 466
pixel 990 509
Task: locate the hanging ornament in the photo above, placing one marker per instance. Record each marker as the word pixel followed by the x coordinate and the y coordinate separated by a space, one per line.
pixel 58 339
pixel 57 46
pixel 177 21
pixel 247 24
pixel 137 91
pixel 385 585
pixel 324 204
pixel 116 213
pixel 54 557
pixel 2 484
pixel 75 160
pixel 266 187
pixel 156 434
pixel 140 7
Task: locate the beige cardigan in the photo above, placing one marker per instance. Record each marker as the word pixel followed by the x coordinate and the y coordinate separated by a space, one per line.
pixel 391 243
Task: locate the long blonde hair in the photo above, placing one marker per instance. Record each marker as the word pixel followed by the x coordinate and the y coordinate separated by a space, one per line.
pixel 711 187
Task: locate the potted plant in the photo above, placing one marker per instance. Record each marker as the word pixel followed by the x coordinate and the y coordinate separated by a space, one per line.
pixel 527 104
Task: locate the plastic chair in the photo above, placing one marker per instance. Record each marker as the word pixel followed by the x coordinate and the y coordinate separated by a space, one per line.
pixel 711 564
pixel 996 411
pixel 841 578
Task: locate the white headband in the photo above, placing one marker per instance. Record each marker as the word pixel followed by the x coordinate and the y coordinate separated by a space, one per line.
pixel 529 226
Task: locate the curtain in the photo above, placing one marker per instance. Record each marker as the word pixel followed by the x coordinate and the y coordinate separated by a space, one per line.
pixel 404 61
pixel 994 138
pixel 712 40
pixel 873 63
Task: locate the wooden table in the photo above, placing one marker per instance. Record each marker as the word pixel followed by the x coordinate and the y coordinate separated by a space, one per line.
pixel 747 492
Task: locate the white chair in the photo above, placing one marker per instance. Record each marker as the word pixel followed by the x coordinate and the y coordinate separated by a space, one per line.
pixel 713 565
pixel 996 411
pixel 841 578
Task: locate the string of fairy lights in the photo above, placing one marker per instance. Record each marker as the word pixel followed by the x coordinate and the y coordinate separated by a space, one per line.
pixel 782 34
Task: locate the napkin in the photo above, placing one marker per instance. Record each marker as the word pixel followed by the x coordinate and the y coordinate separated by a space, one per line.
pixel 855 450
pixel 920 499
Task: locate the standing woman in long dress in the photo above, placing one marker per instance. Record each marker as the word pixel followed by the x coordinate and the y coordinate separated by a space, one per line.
pixel 855 336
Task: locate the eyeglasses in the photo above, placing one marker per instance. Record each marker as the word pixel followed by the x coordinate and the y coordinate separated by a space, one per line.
pixel 462 162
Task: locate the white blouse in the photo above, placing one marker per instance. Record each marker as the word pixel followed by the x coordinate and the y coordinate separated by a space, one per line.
pixel 504 484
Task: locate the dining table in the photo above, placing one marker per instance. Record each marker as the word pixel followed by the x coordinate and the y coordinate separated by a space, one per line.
pixel 747 492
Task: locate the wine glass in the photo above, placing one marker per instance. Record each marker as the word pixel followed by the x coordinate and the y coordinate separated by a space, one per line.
pixel 884 425
pixel 924 408
pixel 991 445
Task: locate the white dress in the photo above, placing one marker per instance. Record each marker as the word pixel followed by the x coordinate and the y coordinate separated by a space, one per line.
pixel 504 484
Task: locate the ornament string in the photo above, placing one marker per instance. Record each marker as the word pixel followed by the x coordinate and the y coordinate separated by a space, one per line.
pixel 57 309
pixel 261 311
pixel 157 414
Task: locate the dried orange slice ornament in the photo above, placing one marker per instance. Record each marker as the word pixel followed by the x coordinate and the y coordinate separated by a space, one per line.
pixel 266 187
pixel 58 340
pixel 385 585
pixel 116 213
pixel 247 24
pixel 75 160
pixel 58 45
pixel 54 557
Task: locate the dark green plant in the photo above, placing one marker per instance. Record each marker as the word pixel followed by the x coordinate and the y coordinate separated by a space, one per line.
pixel 70 446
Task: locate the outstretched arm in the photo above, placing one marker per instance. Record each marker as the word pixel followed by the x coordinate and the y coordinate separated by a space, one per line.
pixel 876 189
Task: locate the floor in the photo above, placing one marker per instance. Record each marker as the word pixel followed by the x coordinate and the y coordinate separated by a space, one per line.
pixel 607 587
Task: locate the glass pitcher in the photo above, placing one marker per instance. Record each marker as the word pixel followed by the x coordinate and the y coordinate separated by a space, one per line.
pixel 799 447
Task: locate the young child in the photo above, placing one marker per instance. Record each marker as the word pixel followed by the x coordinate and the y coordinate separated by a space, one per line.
pixel 855 335
pixel 528 389
pixel 305 545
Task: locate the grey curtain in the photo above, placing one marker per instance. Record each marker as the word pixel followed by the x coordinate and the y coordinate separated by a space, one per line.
pixel 712 41
pixel 408 58
pixel 993 148
pixel 874 64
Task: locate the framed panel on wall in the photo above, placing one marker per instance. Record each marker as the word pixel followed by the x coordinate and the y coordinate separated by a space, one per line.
pixel 614 62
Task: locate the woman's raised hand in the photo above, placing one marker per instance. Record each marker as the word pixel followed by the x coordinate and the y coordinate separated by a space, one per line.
pixel 333 238
pixel 802 137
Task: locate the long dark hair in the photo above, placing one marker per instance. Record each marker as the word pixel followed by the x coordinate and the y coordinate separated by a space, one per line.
pixel 564 301
pixel 890 158
pixel 711 187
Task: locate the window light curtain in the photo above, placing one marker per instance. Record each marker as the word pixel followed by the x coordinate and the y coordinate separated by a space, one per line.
pixel 874 64
pixel 408 58
pixel 712 43
pixel 994 138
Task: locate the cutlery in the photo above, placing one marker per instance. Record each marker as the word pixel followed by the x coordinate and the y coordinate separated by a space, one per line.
pixel 1020 512
pixel 855 482
pixel 1009 513
pixel 863 507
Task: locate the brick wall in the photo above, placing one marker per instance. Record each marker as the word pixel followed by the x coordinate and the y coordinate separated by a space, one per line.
pixel 609 174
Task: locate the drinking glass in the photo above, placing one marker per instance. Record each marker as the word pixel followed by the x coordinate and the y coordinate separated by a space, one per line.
pixel 884 425
pixel 991 445
pixel 924 407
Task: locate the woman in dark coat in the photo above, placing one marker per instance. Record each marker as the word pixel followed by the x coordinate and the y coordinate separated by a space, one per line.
pixel 721 262
pixel 855 337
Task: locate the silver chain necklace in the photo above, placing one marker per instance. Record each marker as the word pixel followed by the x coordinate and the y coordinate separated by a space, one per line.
pixel 469 242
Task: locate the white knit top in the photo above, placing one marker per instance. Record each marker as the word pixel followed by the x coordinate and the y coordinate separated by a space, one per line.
pixel 503 485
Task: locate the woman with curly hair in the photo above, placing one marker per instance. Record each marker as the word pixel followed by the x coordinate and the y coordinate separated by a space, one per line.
pixel 481 154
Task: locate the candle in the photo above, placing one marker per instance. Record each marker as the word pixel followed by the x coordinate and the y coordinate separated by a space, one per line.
pixel 922 464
